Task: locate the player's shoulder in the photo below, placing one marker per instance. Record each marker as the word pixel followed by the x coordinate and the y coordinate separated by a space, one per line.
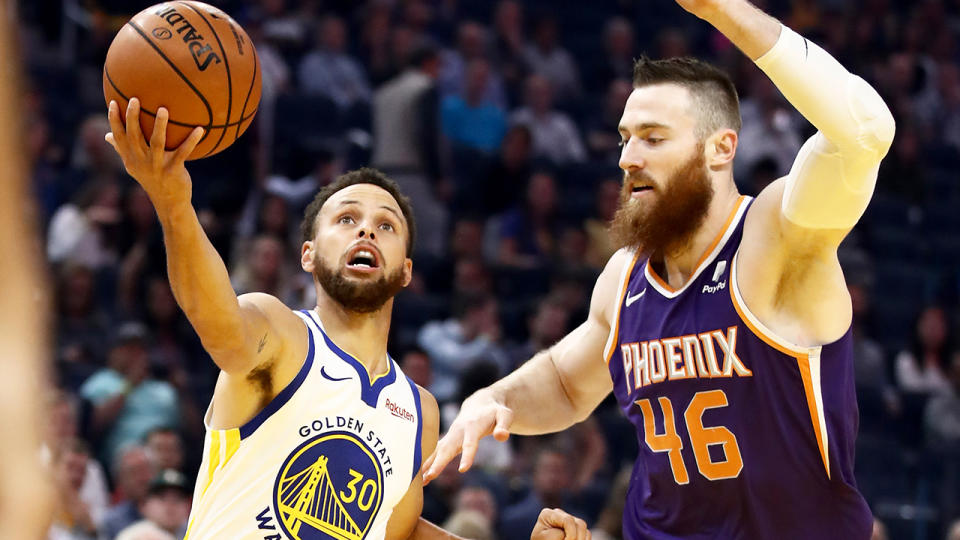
pixel 604 297
pixel 269 306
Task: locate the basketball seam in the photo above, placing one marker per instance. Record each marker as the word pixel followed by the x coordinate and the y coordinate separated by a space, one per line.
pixel 148 112
pixel 226 65
pixel 256 69
pixel 182 76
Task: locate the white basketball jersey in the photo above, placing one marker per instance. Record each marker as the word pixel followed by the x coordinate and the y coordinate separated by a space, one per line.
pixel 328 458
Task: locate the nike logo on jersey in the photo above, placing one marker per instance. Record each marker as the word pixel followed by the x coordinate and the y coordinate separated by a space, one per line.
pixel 334 379
pixel 634 298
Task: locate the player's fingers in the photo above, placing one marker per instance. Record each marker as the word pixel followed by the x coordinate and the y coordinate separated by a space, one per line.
pixel 134 135
pixel 501 431
pixel 186 147
pixel 582 532
pixel 426 465
pixel 469 450
pixel 158 139
pixel 111 141
pixel 116 126
pixel 447 449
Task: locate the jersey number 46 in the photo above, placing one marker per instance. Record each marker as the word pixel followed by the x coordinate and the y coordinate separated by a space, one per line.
pixel 701 438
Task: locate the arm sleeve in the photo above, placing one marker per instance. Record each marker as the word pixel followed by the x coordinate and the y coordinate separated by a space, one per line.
pixel 832 179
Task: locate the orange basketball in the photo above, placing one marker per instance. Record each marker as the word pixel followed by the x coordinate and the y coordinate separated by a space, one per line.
pixel 193 59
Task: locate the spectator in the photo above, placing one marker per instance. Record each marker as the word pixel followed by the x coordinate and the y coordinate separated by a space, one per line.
pixel 471 278
pixel 600 247
pixel 603 137
pixel 454 80
pixel 546 326
pixel 263 269
pixel 144 530
pixel 167 503
pixel 79 231
pixel 545 57
pixel 406 142
pixel 555 136
pixel 942 415
pixel 769 129
pixel 466 240
pixel 469 524
pixel 132 472
pixel 329 71
pixel 511 168
pixel 81 324
pixel 922 368
pixel 476 498
pixel 527 233
pixel 550 489
pixel 128 402
pixel 165 448
pixel 63 436
pixel 415 364
pixel 472 335
pixel 619 48
pixel 74 518
pixel 869 364
pixel 468 119
pixel 508 44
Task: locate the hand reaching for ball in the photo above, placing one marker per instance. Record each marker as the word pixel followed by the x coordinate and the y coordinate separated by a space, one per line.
pixel 161 172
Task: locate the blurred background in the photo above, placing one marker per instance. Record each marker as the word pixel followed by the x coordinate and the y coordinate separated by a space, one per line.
pixel 499 119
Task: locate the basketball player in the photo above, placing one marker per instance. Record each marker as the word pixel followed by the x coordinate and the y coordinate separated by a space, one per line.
pixel 313 431
pixel 727 341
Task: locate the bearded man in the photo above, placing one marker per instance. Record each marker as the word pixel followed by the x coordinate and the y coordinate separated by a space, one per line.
pixel 723 323
pixel 313 432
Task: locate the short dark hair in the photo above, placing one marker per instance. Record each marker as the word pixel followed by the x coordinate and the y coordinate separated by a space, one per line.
pixel 365 175
pixel 713 93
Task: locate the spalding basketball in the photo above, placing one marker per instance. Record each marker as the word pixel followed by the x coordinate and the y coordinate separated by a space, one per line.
pixel 193 59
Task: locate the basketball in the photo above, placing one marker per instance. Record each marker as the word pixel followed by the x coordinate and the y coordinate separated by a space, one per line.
pixel 193 59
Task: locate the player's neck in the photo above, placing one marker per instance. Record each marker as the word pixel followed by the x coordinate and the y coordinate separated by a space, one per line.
pixel 680 265
pixel 361 335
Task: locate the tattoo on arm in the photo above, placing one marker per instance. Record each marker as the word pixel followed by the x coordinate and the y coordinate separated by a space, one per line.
pixel 263 341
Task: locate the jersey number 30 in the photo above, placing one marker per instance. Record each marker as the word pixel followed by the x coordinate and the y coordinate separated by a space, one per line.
pixel 701 438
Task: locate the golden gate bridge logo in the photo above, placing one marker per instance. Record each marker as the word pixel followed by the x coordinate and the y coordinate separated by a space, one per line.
pixel 330 487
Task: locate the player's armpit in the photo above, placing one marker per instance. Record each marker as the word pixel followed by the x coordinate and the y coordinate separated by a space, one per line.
pixel 789 276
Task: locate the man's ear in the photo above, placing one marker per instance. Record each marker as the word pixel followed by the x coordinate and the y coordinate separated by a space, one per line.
pixel 407 271
pixel 306 256
pixel 720 148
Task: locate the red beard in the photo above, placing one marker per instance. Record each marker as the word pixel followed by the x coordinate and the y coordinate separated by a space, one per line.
pixel 668 222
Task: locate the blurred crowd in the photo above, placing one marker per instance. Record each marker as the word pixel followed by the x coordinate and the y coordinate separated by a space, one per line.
pixel 499 120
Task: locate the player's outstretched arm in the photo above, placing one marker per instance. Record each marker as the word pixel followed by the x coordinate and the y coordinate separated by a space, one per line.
pixel 406 523
pixel 552 391
pixel 234 331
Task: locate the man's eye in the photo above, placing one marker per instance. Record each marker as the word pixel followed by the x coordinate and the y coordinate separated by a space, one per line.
pixel 386 226
pixel 345 220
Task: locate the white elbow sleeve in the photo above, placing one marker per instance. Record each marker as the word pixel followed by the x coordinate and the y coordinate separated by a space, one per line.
pixel 832 180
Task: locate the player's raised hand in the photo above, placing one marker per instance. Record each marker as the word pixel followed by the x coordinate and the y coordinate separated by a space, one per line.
pixel 480 415
pixel 161 172
pixel 555 524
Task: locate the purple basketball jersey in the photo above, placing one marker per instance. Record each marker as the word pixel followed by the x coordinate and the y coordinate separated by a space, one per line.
pixel 742 435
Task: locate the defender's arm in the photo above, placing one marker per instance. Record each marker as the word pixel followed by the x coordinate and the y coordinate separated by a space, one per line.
pixel 552 391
